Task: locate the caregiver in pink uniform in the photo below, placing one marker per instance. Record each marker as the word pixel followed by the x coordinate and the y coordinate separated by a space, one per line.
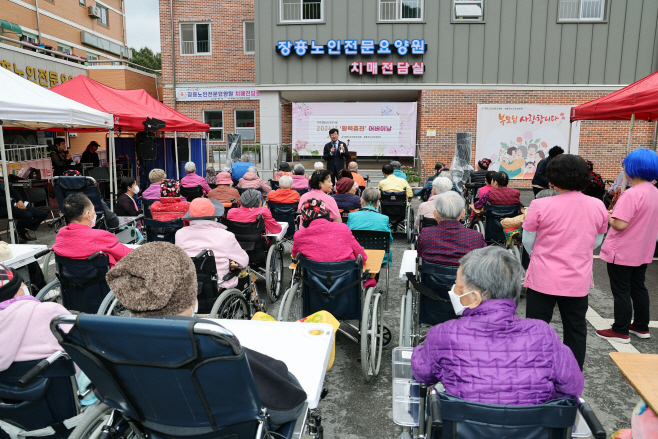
pixel 630 245
pixel 560 233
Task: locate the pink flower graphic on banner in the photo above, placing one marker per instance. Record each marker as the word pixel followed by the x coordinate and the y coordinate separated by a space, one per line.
pixel 300 145
pixel 527 135
pixel 386 110
pixel 301 111
pixel 544 144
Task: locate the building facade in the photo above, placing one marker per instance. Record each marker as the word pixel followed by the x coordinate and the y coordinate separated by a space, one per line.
pixel 513 53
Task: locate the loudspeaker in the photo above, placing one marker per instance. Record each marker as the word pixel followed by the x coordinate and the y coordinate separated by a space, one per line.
pixel 146 147
pixel 183 150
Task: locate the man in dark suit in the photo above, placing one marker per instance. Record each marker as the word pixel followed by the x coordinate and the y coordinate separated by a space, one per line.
pixel 26 216
pixel 335 153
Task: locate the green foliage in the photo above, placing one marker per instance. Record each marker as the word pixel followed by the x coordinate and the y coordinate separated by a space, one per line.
pixel 411 173
pixel 145 57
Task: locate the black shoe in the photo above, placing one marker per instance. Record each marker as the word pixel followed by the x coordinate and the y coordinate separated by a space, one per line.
pixel 26 237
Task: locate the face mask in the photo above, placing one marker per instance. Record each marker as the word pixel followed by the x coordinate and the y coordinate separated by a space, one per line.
pixel 93 221
pixel 196 308
pixel 26 290
pixel 136 190
pixel 456 301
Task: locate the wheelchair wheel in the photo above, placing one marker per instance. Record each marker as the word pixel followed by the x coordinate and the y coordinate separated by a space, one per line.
pixel 410 222
pixel 274 272
pixel 405 320
pixel 46 265
pixel 112 307
pixel 371 335
pixel 92 422
pixel 51 293
pixel 292 309
pixel 478 226
pixel 231 305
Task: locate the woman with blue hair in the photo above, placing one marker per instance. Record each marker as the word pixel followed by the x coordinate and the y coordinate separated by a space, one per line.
pixel 630 245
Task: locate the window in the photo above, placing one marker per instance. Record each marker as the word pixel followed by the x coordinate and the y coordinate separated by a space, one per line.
pixel 29 38
pixel 468 10
pixel 82 2
pixel 400 10
pixel 215 119
pixel 103 18
pixel 249 37
pixel 195 38
pixel 245 124
pixel 300 10
pixel 63 48
pixel 581 10
pixel 92 57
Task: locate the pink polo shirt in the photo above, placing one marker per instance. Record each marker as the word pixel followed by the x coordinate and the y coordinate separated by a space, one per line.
pixel 634 245
pixel 562 257
pixel 329 202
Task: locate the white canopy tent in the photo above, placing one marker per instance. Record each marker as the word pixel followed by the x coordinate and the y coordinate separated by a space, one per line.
pixel 26 105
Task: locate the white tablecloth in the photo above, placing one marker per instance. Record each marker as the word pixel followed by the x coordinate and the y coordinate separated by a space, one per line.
pixel 408 264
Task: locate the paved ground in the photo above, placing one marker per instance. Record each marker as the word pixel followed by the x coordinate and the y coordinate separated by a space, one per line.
pixel 354 409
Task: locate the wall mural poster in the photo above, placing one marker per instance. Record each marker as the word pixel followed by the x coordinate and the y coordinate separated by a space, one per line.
pixel 372 128
pixel 517 137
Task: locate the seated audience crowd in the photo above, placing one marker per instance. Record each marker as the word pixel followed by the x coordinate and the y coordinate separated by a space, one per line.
pixel 192 179
pixel 426 209
pixel 284 194
pixel 251 180
pixel 224 193
pixel 499 194
pixel 170 206
pixel 321 187
pixel 251 209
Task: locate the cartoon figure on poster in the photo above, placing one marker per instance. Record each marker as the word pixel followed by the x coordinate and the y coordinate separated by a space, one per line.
pixel 519 153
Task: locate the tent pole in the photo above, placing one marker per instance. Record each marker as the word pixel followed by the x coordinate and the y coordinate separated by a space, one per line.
pixel 112 169
pixel 569 143
pixel 5 174
pixel 628 149
pixel 176 149
pixel 164 154
pixel 655 135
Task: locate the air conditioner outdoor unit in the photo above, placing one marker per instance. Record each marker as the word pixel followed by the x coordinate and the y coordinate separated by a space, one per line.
pixel 94 11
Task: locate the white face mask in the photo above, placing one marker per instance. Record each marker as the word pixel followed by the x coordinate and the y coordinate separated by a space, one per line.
pixel 136 190
pixel 26 290
pixel 456 301
pixel 195 309
pixel 93 221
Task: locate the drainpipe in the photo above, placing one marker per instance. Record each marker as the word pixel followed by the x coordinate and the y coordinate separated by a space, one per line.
pixel 173 48
pixel 36 8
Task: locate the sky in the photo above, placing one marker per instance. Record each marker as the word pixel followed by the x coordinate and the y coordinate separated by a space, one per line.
pixel 143 24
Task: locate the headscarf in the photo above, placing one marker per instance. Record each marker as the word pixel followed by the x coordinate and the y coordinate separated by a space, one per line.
pixel 313 209
pixel 484 164
pixel 251 198
pixel 169 189
pixel 590 165
pixel 344 185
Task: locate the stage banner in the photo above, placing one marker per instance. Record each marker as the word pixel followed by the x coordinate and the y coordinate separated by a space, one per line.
pixel 372 128
pixel 517 137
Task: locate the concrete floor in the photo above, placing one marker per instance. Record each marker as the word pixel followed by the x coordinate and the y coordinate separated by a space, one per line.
pixel 355 409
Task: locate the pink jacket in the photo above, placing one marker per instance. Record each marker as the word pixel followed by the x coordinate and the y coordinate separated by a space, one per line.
pixel 201 235
pixel 251 180
pixel 299 182
pixel 249 214
pixel 327 241
pixel 25 331
pixel 193 180
pixel 77 241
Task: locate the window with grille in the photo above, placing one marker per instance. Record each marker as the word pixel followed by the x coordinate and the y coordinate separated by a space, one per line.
pixel 249 37
pixel 401 10
pixel 103 19
pixel 300 10
pixel 581 10
pixel 195 38
pixel 245 124
pixel 468 10
pixel 214 118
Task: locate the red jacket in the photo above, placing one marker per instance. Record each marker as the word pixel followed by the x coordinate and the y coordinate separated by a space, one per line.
pixel 77 241
pixel 168 209
pixel 504 196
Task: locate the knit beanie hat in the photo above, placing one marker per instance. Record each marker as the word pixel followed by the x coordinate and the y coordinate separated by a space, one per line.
pixel 10 282
pixel 251 198
pixel 169 188
pixel 5 252
pixel 313 209
pixel 344 185
pixel 484 164
pixel 156 279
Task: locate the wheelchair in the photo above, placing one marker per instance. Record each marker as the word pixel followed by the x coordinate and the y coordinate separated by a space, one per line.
pixel 398 210
pixel 39 398
pixel 190 193
pixel 426 302
pixel 301 191
pixel 162 230
pixel 265 254
pixel 274 184
pixel 376 240
pixel 493 230
pixel 80 285
pixel 197 362
pixel 424 221
pixel 470 197
pixel 428 413
pixel 337 287
pixel 242 190
pixel 285 213
pixel 65 186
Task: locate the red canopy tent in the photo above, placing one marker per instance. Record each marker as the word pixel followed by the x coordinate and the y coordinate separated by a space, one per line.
pixel 636 101
pixel 129 107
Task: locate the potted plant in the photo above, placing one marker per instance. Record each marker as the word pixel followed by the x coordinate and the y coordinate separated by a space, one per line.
pixel 411 173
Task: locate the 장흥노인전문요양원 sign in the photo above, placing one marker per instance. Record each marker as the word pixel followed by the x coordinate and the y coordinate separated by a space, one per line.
pixel 516 137
pixel 372 128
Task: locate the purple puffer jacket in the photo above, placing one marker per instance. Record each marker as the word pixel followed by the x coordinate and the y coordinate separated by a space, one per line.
pixel 491 356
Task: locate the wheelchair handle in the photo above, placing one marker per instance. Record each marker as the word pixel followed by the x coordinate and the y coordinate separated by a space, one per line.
pixel 435 411
pixel 95 255
pixel 592 421
pixel 55 222
pixel 38 369
pixel 43 253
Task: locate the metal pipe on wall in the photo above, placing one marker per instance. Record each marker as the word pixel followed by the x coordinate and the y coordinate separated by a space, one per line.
pixel 36 8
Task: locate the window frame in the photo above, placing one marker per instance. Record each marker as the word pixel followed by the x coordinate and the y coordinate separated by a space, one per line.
pixel 195 23
pixel 603 19
pixel 301 21
pixel 29 35
pixel 235 123
pixel 107 15
pixel 92 55
pixel 398 10
pixel 61 47
pixel 244 37
pixel 203 115
pixel 82 2
pixel 455 20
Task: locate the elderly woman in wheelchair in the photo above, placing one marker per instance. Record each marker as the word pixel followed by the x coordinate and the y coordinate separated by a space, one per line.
pixel 490 362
